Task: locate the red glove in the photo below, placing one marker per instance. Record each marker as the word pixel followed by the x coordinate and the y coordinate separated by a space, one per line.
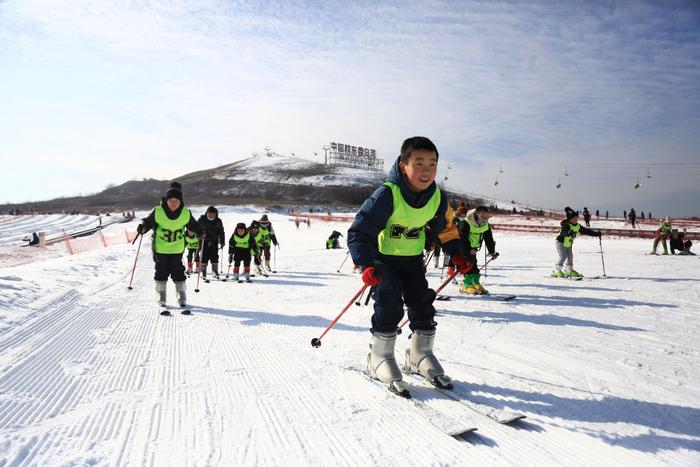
pixel 370 276
pixel 463 266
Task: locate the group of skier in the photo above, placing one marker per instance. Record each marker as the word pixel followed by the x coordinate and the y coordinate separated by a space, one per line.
pixel 386 241
pixel 175 230
pixel 405 216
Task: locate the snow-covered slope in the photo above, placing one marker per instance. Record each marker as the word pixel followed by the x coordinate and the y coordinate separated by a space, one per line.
pixel 606 370
pixel 295 171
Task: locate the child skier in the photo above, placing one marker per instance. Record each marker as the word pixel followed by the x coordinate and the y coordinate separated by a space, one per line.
pixel 474 230
pixel 192 242
pixel 214 235
pixel 333 241
pixel 662 233
pixel 565 240
pixel 257 236
pixel 168 221
pixel 387 239
pixel 268 234
pixel 240 246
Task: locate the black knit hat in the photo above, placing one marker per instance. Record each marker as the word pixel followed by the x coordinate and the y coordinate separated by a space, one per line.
pixel 254 225
pixel 240 225
pixel 570 213
pixel 213 209
pixel 173 193
pixel 176 185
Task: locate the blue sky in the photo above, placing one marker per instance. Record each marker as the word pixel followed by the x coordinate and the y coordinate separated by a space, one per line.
pixel 102 92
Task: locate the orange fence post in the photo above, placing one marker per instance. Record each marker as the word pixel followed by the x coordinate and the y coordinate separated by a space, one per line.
pixel 65 237
pixel 102 237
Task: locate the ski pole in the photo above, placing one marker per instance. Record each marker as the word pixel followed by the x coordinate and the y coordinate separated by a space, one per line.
pixel 274 260
pixel 227 273
pixel 427 260
pixel 341 264
pixel 135 260
pixel 316 341
pixel 485 263
pixel 442 286
pixel 199 262
pixel 602 256
pixel 358 302
pixel 369 295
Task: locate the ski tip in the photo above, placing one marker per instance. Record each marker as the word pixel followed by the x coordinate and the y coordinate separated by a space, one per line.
pixel 196 290
pixel 316 342
pixel 129 288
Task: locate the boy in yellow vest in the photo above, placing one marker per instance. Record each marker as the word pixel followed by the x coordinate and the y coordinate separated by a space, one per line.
pixel 565 241
pixel 169 220
pixel 475 229
pixel 192 242
pixel 387 239
pixel 240 246
pixel 268 235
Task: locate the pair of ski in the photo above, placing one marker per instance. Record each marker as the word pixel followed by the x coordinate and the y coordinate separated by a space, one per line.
pixel 578 278
pixel 444 422
pixel 165 311
pixel 491 296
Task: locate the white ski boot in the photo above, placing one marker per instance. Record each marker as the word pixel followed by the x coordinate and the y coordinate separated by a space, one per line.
pixel 381 363
pixel 161 295
pixel 181 292
pixel 421 360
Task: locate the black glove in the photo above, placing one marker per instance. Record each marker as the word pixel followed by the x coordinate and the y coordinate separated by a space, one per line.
pixel 141 229
pixel 495 255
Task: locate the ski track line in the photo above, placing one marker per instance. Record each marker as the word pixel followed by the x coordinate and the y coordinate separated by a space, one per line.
pixel 45 359
pixel 385 414
pixel 261 340
pixel 62 402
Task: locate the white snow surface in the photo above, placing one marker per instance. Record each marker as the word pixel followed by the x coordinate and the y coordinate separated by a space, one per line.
pixel 606 370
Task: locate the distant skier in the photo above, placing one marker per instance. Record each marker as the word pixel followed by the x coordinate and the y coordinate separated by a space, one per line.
pixel 624 215
pixel 268 235
pixel 257 236
pixel 586 217
pixel 676 242
pixel 475 230
pixel 642 215
pixel 333 242
pixel 192 241
pixel 565 241
pixel 607 214
pixel 168 221
pixel 387 239
pixel 214 236
pixel 240 246
pixel 34 240
pixel 662 233
pixel 597 214
pixel 633 218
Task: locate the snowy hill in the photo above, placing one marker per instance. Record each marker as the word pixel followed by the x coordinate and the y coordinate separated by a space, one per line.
pixel 606 370
pixel 261 180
